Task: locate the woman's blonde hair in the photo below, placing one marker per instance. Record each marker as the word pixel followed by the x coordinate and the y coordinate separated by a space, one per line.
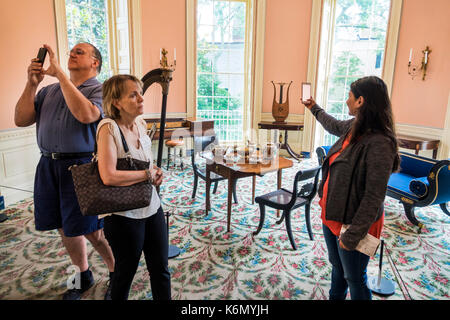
pixel 113 89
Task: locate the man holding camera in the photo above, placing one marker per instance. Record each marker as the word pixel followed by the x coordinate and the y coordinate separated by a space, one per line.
pixel 66 114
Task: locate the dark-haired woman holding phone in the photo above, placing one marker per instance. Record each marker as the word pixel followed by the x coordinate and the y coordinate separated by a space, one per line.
pixel 355 174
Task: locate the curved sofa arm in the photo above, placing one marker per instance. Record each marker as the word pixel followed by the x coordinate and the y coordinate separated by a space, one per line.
pixel 439 184
pixel 419 186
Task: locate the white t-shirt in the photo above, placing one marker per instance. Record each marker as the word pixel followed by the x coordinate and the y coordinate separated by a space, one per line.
pixel 144 152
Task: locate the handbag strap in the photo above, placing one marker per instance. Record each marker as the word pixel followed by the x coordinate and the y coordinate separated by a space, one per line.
pixel 124 142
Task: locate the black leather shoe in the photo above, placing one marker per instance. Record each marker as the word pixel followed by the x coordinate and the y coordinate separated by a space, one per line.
pixel 72 294
pixel 75 294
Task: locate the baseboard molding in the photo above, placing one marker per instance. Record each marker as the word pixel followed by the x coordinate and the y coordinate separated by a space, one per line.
pixel 19 155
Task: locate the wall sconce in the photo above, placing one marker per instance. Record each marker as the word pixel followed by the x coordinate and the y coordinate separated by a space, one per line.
pixel 413 70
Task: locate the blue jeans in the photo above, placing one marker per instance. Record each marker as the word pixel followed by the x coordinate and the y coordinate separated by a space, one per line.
pixel 348 270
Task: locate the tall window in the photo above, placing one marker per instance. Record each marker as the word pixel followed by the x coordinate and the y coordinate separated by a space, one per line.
pixel 87 21
pixel 222 65
pixel 352 45
pixel 105 24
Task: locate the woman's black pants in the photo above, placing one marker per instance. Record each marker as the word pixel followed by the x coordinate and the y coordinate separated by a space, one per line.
pixel 128 238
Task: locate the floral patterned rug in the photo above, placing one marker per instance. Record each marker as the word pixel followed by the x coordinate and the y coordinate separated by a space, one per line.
pixel 214 264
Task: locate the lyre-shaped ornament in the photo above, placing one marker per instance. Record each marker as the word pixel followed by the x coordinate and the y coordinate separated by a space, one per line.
pixel 280 110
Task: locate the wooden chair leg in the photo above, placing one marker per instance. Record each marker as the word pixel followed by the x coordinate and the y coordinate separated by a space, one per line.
pixel 308 220
pixel 287 215
pixel 181 159
pixel 175 156
pixel 234 191
pixel 168 157
pixel 253 189
pixel 195 186
pixel 262 215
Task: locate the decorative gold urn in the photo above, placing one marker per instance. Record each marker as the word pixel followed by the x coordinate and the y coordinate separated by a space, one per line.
pixel 280 110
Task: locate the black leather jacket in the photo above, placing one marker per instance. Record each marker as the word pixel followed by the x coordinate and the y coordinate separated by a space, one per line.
pixel 358 178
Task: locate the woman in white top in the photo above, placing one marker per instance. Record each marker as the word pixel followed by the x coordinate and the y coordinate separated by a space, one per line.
pixel 132 232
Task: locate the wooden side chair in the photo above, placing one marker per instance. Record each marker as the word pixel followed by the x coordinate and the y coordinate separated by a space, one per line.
pixel 200 144
pixel 287 201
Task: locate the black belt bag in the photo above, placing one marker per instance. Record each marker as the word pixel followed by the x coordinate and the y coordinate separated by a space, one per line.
pixel 59 155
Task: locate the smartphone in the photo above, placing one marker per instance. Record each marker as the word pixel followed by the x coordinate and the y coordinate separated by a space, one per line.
pixel 41 55
pixel 306 91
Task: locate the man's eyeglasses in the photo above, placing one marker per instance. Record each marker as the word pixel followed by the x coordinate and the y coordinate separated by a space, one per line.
pixel 78 52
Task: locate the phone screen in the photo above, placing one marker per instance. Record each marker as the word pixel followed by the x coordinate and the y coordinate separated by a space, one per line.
pixel 306 91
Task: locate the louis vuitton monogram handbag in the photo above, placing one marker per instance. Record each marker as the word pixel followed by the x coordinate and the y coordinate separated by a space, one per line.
pixel 96 198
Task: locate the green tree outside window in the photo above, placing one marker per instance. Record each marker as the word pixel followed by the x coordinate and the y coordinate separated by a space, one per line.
pixel 87 22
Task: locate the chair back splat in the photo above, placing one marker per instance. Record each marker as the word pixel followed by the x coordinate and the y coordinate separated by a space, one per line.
pixel 287 201
pixel 200 144
pixel 308 190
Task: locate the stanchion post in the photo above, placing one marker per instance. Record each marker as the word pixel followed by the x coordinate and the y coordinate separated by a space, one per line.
pixel 379 285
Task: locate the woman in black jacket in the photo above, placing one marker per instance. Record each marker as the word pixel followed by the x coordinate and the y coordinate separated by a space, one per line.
pixel 355 174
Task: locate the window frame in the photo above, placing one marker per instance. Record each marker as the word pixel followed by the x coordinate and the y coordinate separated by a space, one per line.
pixel 134 31
pixel 254 57
pixel 317 16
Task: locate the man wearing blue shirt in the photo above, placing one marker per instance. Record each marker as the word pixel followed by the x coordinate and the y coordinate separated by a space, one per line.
pixel 66 114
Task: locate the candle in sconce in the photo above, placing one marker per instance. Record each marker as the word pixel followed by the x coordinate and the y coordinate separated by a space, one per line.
pixel 410 55
pixel 426 56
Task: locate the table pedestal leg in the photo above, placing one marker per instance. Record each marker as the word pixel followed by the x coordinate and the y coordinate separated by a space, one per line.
pixel 287 147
